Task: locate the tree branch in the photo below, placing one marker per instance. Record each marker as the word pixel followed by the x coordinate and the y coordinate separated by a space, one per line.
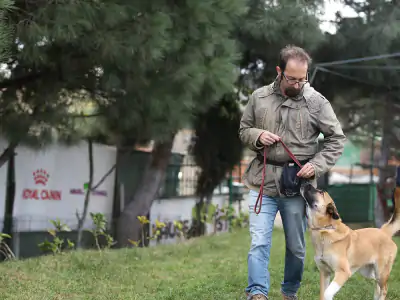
pixel 5 156
pixel 104 177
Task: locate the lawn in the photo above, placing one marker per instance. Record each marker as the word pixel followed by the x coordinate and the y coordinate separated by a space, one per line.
pixel 206 268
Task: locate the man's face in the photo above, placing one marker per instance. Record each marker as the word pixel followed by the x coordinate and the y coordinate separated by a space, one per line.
pixel 294 77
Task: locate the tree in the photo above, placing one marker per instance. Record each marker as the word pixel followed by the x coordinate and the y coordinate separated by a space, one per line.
pixel 216 151
pixel 197 71
pixel 87 47
pixel 147 67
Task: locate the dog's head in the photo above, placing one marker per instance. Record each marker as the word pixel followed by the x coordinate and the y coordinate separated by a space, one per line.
pixel 320 206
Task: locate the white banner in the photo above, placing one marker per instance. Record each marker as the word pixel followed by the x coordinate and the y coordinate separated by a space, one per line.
pixel 180 209
pixel 50 184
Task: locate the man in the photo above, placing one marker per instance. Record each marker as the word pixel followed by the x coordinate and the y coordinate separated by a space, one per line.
pixel 288 109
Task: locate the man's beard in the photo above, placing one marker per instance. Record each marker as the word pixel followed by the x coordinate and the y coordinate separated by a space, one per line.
pixel 292 92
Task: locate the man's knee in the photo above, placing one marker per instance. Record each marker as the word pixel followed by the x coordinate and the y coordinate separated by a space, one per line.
pixel 294 216
pixel 295 227
pixel 260 236
pixel 297 250
pixel 295 242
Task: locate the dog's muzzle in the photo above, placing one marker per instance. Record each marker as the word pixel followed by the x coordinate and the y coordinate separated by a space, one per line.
pixel 305 190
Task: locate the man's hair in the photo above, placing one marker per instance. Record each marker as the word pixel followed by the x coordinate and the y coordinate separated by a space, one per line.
pixel 293 52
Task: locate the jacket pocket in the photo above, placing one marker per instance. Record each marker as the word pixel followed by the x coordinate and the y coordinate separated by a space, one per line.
pixel 303 126
pixel 261 118
pixel 256 173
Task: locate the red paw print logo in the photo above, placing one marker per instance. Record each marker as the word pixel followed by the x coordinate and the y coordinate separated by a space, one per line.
pixel 40 176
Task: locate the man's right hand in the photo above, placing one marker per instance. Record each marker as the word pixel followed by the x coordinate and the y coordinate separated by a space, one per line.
pixel 268 138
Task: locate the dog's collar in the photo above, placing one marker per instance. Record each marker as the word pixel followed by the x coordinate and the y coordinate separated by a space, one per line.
pixel 330 226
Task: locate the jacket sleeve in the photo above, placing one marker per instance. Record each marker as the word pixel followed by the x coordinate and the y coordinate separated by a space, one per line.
pixel 334 140
pixel 248 133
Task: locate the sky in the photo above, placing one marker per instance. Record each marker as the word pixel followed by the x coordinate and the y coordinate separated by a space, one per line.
pixel 331 7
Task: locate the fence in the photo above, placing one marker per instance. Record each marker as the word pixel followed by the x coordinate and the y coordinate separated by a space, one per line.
pixel 181 180
pixel 177 193
pixel 355 202
pixel 182 175
pixel 31 212
pixel 26 236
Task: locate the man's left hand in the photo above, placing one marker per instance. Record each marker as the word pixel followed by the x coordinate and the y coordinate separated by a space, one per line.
pixel 307 171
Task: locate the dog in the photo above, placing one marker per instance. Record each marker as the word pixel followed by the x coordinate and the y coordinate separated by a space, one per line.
pixel 341 251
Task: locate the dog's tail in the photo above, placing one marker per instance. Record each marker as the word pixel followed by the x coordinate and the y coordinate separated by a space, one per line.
pixel 392 226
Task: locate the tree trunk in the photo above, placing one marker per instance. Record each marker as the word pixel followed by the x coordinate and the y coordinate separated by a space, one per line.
pixel 197 227
pixel 206 209
pixel 129 228
pixel 8 223
pixel 7 153
pixel 82 217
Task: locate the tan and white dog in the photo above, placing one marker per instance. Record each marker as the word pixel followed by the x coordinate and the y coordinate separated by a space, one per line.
pixel 341 251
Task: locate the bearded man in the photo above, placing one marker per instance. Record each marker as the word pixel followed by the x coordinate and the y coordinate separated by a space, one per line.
pixel 287 110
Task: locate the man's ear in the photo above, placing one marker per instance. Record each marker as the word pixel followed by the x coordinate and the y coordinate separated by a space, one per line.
pixel 278 71
pixel 331 210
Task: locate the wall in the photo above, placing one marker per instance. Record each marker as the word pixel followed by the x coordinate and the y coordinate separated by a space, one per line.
pixel 180 209
pixel 25 244
pixel 50 184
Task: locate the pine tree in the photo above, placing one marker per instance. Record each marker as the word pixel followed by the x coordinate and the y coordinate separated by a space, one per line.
pixel 194 75
pixel 74 46
pixel 147 66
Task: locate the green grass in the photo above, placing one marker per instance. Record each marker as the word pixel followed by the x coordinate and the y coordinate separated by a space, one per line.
pixel 207 268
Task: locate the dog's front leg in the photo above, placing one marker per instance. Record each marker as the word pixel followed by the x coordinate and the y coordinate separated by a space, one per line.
pixel 338 281
pixel 324 279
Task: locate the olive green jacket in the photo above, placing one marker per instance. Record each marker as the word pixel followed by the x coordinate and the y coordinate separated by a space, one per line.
pixel 298 121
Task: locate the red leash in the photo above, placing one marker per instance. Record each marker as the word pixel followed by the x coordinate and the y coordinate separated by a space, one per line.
pixel 260 194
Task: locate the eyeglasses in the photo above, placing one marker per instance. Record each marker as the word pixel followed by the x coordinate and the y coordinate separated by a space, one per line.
pixel 294 81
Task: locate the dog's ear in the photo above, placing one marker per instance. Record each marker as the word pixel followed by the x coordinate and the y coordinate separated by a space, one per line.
pixel 331 210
